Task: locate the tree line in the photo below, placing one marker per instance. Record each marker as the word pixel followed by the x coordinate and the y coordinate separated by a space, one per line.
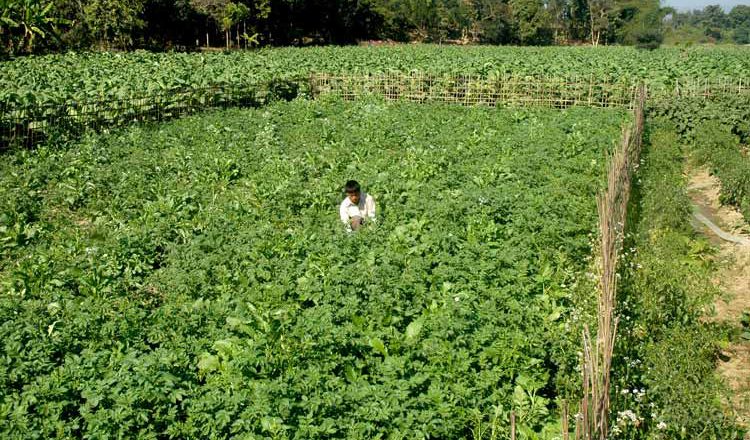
pixel 709 25
pixel 29 26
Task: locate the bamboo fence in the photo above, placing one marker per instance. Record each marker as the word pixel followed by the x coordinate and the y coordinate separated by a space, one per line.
pixel 474 90
pixel 597 353
pixel 30 123
pixel 708 88
pixel 514 90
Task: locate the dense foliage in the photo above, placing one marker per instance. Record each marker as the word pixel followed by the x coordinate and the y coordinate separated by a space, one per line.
pixel 690 113
pixel 718 130
pixel 193 280
pixel 62 78
pixel 717 146
pixel 159 24
pixel 709 25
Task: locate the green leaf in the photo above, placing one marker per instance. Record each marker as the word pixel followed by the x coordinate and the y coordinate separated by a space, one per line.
pixel 239 325
pixel 413 329
pixel 555 315
pixel 225 348
pixel 379 346
pixel 349 373
pixel 208 363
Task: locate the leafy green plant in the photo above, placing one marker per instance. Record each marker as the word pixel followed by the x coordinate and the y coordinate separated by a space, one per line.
pixel 192 279
pixel 745 322
pixel 78 77
pixel 716 145
pixel 25 21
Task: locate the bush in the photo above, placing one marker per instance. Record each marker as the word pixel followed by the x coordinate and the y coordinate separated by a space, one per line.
pixel 742 35
pixel 649 39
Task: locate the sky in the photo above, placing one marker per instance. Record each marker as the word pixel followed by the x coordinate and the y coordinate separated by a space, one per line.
pixel 687 5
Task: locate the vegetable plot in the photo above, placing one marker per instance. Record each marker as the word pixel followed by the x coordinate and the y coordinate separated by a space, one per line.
pixel 192 279
pixel 74 77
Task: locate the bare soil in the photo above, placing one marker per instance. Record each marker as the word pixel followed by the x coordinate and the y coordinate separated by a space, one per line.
pixel 733 276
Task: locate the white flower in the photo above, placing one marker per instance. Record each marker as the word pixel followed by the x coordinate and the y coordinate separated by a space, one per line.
pixel 626 416
pixel 661 426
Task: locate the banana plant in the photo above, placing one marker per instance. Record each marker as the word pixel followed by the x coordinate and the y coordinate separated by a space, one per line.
pixel 23 21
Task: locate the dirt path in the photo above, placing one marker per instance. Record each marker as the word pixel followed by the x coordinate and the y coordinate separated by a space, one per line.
pixel 733 276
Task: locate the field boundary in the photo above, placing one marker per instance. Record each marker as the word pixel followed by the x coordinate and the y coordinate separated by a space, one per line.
pixel 475 90
pixel 29 123
pixel 708 88
pixel 598 351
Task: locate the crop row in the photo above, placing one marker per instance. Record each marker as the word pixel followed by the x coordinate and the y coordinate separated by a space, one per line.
pixel 719 148
pixel 718 130
pixel 80 77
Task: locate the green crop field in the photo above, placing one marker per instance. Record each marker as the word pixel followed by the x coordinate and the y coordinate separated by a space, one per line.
pixel 193 280
pixel 74 77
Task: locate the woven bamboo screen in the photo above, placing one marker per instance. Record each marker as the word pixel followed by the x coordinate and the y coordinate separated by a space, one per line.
pixel 476 90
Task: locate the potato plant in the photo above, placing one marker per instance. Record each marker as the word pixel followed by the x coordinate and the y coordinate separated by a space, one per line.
pixel 193 280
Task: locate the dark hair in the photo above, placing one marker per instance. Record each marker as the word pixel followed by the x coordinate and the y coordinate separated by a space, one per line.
pixel 352 186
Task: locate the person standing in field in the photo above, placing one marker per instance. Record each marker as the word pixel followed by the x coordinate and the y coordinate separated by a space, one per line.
pixel 358 208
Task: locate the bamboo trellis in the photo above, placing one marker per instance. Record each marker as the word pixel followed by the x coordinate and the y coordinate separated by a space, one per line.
pixel 707 88
pixel 477 90
pixel 510 90
pixel 27 124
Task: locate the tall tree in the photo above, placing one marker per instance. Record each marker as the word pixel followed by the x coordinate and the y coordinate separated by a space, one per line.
pixel 579 25
pixel 112 23
pixel 559 15
pixel 213 10
pixel 739 17
pixel 714 21
pixel 640 23
pixel 599 16
pixel 531 22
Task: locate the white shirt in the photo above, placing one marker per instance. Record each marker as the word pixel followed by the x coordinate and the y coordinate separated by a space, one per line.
pixel 365 209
